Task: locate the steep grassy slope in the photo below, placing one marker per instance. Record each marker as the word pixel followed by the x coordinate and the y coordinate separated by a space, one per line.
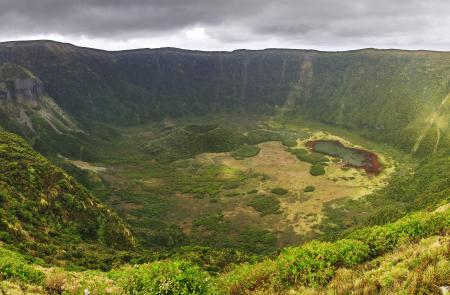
pixel 389 95
pixel 44 212
pixel 410 255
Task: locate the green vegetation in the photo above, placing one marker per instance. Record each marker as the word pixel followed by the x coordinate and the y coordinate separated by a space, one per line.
pixel 309 189
pixel 310 157
pixel 338 91
pixel 150 119
pixel 180 143
pixel 163 277
pixel 14 266
pixel 317 170
pixel 316 263
pixel 213 230
pixel 184 142
pixel 417 268
pixel 279 191
pixel 287 138
pixel 382 256
pixel 245 151
pixel 426 188
pixel 266 204
pixel 43 210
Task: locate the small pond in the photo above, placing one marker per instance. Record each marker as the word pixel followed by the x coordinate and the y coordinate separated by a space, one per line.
pixel 351 156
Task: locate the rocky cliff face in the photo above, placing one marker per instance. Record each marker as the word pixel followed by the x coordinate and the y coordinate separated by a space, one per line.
pixel 26 108
pixel 28 90
pixel 386 94
pixel 19 85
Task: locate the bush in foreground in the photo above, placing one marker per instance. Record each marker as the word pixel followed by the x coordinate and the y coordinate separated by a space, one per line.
pixel 165 278
pixel 315 264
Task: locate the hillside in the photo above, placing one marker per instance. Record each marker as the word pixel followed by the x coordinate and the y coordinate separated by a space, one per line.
pixel 409 255
pixel 45 213
pixel 388 95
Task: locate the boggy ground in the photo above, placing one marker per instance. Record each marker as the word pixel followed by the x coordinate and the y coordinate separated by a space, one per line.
pixel 257 203
pixel 300 210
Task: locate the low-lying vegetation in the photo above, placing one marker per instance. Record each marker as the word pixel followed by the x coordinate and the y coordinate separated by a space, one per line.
pixel 361 261
pixel 317 170
pixel 309 189
pixel 307 156
pixel 279 191
pixel 245 151
pixel 14 266
pixel 163 277
pixel 316 263
pixel 266 204
pixel 184 142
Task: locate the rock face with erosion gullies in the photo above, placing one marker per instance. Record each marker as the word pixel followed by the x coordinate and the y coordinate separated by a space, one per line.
pixel 19 85
pixel 27 109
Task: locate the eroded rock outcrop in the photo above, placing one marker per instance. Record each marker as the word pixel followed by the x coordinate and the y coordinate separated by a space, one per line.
pixel 25 105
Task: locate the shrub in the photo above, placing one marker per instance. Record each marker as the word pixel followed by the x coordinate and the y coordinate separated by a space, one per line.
pixel 351 252
pixel 310 265
pixel 245 151
pixel 317 170
pixel 14 266
pixel 309 188
pixel 310 157
pixel 415 226
pixel 315 263
pixel 165 278
pixel 279 191
pixel 289 142
pixel 265 204
pixel 247 277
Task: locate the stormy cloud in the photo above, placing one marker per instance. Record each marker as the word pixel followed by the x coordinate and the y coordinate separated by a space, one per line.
pixel 230 24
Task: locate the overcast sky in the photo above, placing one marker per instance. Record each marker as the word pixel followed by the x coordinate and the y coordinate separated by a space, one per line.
pixel 231 24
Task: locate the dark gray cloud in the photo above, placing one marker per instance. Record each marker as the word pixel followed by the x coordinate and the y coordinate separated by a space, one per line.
pixel 315 23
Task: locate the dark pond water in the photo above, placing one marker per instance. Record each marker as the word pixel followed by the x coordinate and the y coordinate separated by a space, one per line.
pixel 351 156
